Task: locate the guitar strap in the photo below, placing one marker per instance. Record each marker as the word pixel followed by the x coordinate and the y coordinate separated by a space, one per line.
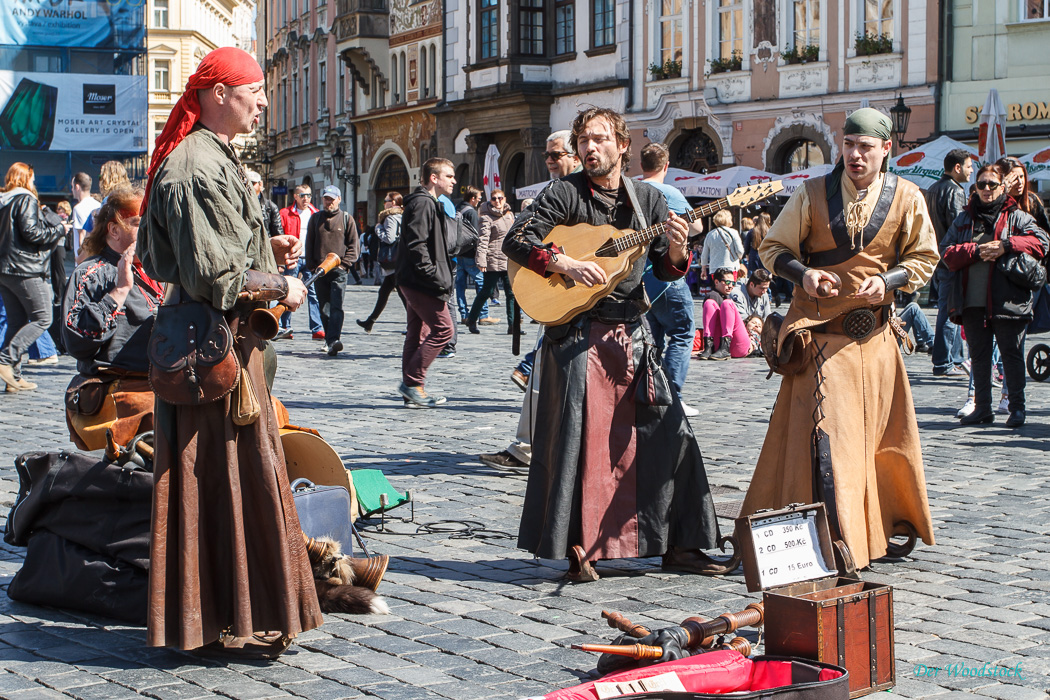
pixel 633 197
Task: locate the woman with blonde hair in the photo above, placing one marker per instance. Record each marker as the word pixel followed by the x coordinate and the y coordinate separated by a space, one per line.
pixel 112 176
pixel 28 232
pixel 722 246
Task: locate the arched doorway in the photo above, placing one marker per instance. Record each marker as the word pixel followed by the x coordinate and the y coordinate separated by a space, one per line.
pixel 513 178
pixel 392 175
pixel 798 154
pixel 695 151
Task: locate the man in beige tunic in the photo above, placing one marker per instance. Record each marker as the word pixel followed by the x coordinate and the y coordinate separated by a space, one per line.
pixel 843 429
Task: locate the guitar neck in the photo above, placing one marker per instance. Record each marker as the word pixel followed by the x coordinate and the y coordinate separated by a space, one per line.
pixel 636 238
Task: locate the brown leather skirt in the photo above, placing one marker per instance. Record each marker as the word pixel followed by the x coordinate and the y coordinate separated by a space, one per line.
pixel 227 552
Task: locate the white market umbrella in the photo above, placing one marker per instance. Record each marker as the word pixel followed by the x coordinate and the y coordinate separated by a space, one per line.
pixel 491 180
pixel 792 181
pixel 1038 164
pixel 925 165
pixel 991 130
pixel 530 191
pixel 720 184
pixel 675 177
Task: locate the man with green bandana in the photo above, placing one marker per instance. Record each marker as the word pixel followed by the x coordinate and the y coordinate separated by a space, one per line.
pixel 843 429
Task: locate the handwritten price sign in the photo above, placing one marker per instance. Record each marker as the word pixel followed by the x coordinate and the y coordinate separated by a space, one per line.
pixel 787 550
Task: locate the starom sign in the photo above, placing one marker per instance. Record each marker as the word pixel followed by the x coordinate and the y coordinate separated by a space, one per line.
pixel 1018 111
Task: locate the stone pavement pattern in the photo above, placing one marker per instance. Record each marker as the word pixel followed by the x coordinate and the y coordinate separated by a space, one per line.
pixel 476 618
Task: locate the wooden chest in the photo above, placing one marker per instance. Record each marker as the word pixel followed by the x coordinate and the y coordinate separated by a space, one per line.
pixel 811 611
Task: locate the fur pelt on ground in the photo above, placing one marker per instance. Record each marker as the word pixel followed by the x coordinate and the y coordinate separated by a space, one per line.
pixel 334 579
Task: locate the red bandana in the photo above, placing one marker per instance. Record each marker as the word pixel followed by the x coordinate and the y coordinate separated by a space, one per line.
pixel 229 66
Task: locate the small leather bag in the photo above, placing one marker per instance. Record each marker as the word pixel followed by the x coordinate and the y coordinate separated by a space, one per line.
pixel 1023 270
pixel 191 357
pixel 790 359
pixel 85 395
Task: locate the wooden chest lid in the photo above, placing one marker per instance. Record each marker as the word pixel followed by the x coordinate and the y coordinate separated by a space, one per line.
pixel 785 546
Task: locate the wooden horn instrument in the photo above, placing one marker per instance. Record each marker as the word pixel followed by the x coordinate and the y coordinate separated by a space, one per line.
pixel 619 622
pixel 638 652
pixel 266 322
pixel 702 633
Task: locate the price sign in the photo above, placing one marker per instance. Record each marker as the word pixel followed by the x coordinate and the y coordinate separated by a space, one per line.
pixel 787 549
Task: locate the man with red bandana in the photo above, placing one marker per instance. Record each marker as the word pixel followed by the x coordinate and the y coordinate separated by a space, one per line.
pixel 229 568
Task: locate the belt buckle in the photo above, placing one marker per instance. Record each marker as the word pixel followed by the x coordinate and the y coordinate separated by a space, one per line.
pixel 859 324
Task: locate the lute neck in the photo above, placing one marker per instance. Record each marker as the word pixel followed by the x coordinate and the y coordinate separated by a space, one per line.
pixel 636 238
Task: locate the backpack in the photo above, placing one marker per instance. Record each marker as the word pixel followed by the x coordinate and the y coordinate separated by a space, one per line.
pixel 387 256
pixel 463 238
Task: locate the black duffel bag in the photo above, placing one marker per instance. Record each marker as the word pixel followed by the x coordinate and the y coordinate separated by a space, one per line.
pixel 85 523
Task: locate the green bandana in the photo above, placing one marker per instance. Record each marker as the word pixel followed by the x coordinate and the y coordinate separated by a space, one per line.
pixel 868 122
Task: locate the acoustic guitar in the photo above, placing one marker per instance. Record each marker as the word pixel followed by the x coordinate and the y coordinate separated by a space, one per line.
pixel 555 299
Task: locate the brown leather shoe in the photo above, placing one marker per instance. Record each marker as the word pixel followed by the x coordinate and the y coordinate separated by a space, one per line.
pixel 692 561
pixel 8 376
pixel 580 570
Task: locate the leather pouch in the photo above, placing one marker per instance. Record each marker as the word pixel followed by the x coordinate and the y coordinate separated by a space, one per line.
pixel 790 359
pixel 191 358
pixel 246 407
pixel 85 395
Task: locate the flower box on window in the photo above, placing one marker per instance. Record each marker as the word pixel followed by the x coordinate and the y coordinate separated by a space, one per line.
pixel 803 54
pixel 666 70
pixel 868 44
pixel 726 65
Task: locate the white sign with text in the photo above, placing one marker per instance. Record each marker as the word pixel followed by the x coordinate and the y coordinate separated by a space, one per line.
pixel 787 550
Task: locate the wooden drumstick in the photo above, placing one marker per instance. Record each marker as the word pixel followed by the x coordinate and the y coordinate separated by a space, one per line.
pixel 619 622
pixel 638 652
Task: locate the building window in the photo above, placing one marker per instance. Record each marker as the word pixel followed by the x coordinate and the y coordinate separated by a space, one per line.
pixel 670 31
pixel 564 26
pixel 730 29
pixel 806 23
pixel 489 23
pixel 1035 9
pixel 161 69
pixel 530 27
pixel 394 74
pixel 878 17
pixel 433 69
pixel 341 91
pixel 158 127
pixel 306 95
pixel 283 111
pixel 404 77
pixel 295 102
pixel 424 86
pixel 160 14
pixel 604 23
pixel 322 86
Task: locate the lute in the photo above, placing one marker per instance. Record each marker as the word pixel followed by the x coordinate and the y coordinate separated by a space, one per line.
pixel 556 299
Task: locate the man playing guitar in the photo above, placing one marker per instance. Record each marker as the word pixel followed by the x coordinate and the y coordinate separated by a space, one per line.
pixel 616 471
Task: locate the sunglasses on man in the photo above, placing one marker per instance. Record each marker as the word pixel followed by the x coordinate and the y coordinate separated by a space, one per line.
pixel 555 155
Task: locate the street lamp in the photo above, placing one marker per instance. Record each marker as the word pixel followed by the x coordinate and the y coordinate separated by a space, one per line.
pixel 901 114
pixel 265 166
pixel 339 163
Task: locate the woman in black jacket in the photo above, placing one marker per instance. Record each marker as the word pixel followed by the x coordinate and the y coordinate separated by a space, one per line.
pixel 987 302
pixel 27 235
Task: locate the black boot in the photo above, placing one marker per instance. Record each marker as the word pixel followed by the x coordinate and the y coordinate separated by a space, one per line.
pixel 472 326
pixel 709 347
pixel 366 324
pixel 722 353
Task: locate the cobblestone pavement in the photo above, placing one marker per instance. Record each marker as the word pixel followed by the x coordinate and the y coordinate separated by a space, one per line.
pixel 476 618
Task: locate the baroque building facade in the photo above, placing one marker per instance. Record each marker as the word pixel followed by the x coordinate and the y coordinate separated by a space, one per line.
pixel 517 71
pixel 997 45
pixel 769 83
pixel 180 34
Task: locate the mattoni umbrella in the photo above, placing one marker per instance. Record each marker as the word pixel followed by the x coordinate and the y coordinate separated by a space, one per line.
pixel 720 184
pixel 491 180
pixel 991 131
pixel 925 165
pixel 792 181
pixel 530 191
pixel 1038 164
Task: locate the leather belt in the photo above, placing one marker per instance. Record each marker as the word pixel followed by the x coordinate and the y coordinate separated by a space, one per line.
pixel 857 324
pixel 615 311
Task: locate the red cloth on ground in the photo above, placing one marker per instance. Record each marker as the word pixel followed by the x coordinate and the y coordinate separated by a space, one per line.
pixel 229 66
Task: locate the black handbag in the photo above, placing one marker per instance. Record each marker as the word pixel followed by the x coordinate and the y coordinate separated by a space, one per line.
pixel 86 526
pixel 463 238
pixel 1022 269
